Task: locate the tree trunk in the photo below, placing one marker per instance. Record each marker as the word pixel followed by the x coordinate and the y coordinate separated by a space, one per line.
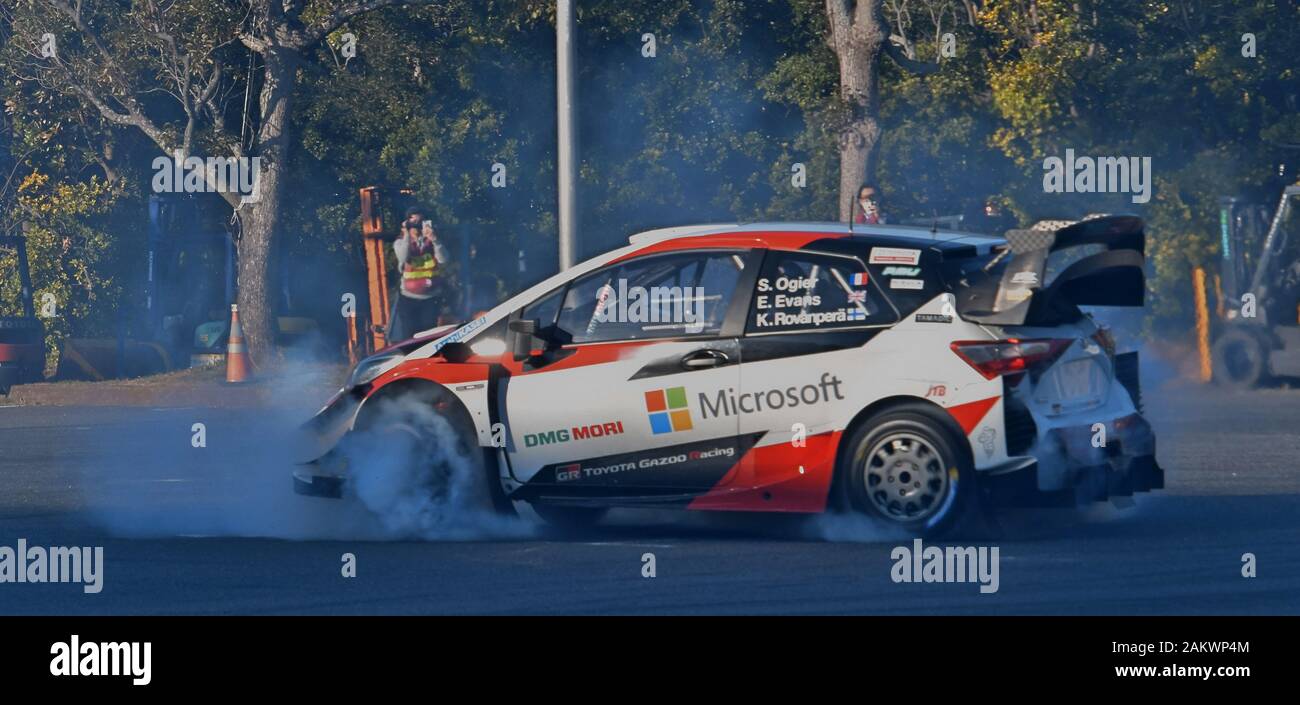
pixel 256 292
pixel 260 219
pixel 859 139
pixel 858 39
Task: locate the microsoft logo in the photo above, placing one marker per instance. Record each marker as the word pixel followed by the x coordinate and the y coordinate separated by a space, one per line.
pixel 668 410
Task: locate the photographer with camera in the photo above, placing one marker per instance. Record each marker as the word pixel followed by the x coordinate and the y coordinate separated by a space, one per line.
pixel 420 296
pixel 867 207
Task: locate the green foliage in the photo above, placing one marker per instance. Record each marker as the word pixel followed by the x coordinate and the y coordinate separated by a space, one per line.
pixel 707 130
pixel 74 264
pixel 1168 81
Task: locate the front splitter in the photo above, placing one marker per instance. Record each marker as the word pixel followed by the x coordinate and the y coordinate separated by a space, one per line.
pixel 306 482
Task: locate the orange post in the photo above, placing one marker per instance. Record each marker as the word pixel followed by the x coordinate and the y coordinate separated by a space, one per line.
pixel 1220 309
pixel 237 363
pixel 378 283
pixel 1202 324
pixel 372 233
pixel 352 339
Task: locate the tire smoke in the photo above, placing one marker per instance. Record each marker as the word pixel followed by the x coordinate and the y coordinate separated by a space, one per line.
pixel 410 472
pixel 157 482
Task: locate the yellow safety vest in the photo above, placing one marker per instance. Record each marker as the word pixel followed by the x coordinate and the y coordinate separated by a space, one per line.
pixel 417 274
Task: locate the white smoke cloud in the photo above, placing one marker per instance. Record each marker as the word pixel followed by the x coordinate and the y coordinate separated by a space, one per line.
pixel 145 479
pixel 410 473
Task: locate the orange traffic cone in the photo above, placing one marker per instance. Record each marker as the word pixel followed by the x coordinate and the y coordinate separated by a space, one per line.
pixel 237 363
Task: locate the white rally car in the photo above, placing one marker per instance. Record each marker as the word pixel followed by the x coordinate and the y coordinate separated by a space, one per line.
pixel 904 373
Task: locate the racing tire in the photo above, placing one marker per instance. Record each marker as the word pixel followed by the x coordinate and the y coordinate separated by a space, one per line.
pixel 908 467
pixel 429 433
pixel 1240 360
pixel 569 518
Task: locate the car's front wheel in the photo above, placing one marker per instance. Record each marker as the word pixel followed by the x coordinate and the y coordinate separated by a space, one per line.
pixel 412 458
pixel 906 468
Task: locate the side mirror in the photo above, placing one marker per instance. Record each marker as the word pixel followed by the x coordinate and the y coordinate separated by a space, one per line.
pixel 521 342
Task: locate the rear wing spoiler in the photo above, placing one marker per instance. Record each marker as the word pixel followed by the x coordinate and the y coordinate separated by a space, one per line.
pixel 1015 295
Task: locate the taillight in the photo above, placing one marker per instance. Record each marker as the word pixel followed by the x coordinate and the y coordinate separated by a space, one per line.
pixel 1011 356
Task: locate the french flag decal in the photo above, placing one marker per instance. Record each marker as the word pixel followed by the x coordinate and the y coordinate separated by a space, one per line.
pixel 860 279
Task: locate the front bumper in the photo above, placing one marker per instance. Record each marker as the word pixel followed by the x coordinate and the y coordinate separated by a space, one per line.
pixel 1079 464
pixel 315 484
pixel 326 474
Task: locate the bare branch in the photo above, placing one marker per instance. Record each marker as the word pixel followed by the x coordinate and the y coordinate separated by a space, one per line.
pixel 344 12
pixel 920 68
pixel 214 81
pixel 257 44
pixel 112 69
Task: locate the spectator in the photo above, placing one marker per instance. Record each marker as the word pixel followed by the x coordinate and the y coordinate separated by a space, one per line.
pixel 866 209
pixel 419 253
pixel 444 280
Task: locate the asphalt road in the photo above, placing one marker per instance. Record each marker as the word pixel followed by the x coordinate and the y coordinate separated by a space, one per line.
pixel 216 530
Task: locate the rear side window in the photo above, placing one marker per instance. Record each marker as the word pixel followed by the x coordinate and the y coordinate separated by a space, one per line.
pixel 801 291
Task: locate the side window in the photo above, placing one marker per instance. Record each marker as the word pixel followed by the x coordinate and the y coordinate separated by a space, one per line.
pixel 661 296
pixel 544 311
pixel 800 291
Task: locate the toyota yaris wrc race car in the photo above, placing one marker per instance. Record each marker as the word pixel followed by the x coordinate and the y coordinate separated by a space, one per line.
pixel 904 373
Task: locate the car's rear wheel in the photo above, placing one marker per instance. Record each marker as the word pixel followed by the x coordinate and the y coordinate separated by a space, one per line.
pixel 906 467
pixel 1240 359
pixel 569 517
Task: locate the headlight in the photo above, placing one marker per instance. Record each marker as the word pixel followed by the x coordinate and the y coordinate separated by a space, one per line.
pixel 370 368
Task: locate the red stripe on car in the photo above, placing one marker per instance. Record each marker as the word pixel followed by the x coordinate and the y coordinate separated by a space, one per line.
pixel 775 239
pixel 777 478
pixel 970 414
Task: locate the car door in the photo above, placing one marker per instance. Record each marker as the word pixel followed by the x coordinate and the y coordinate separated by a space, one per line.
pixel 613 399
pixel 807 320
